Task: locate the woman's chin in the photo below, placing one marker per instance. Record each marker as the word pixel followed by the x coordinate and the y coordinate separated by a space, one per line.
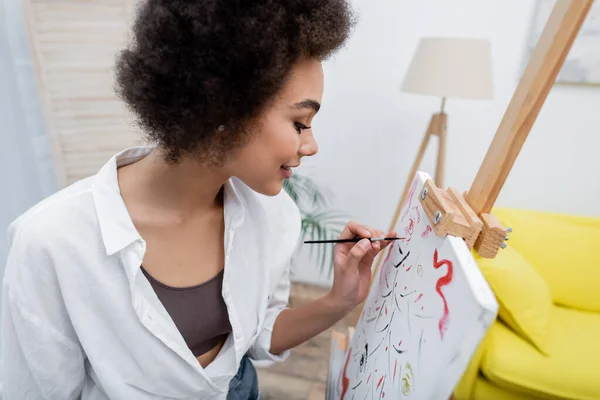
pixel 268 188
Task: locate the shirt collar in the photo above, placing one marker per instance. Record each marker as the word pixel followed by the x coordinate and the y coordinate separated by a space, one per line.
pixel 117 228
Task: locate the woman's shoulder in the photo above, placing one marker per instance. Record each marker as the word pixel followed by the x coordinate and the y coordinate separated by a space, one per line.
pixel 54 217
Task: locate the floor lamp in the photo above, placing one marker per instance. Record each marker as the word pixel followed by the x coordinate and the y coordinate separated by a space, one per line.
pixel 446 68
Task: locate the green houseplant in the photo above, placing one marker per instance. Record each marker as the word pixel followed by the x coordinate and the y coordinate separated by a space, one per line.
pixel 319 220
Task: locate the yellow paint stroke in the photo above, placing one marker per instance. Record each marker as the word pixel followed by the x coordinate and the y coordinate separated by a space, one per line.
pixel 407 380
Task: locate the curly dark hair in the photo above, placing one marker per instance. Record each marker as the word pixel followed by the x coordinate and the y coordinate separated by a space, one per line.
pixel 194 65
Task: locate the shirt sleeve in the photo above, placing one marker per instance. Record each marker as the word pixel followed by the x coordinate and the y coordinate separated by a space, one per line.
pixel 289 224
pixel 40 357
pixel 260 350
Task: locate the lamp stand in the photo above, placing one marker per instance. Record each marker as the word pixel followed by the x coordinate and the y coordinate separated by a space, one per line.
pixel 437 127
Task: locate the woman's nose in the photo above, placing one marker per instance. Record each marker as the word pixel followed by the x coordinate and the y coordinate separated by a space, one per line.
pixel 309 146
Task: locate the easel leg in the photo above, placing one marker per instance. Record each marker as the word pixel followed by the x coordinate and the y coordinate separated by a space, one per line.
pixel 413 171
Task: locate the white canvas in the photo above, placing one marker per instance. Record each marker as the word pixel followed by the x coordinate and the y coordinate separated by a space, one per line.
pixel 427 310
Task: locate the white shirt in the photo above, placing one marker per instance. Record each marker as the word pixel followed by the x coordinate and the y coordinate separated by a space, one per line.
pixel 80 319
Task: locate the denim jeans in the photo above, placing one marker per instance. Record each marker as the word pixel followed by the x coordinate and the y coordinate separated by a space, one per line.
pixel 244 385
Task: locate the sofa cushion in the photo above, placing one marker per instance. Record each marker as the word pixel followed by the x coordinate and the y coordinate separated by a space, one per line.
pixel 523 296
pixel 563 249
pixel 484 390
pixel 570 371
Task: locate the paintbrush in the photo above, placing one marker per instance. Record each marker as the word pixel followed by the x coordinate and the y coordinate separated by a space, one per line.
pixel 353 240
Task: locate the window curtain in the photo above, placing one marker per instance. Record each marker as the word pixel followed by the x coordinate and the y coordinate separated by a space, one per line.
pixel 26 168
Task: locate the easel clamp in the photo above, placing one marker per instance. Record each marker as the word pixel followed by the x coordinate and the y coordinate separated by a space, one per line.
pixel 450 214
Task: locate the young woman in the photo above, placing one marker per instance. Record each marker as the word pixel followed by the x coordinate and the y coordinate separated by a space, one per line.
pixel 161 275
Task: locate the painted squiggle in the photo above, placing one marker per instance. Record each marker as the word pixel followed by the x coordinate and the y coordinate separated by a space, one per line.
pixel 409 198
pixel 426 232
pixel 443 281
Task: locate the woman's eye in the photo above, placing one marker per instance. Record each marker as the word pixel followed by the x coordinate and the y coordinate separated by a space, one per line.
pixel 300 127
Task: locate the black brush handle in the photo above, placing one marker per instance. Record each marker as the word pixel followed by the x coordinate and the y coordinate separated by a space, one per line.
pixel 352 240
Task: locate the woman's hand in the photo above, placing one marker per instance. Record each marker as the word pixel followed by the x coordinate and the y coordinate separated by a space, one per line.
pixel 352 278
pixel 352 265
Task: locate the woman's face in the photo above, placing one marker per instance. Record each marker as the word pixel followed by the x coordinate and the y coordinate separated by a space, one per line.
pixel 281 135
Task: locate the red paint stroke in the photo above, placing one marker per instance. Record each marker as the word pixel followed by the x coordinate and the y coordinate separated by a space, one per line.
pixel 443 281
pixel 369 378
pixel 426 232
pixel 410 228
pixel 395 365
pixel 419 298
pixel 396 284
pixel 379 383
pixel 418 213
pixel 405 287
pixel 385 310
pixel 399 343
pixel 421 308
pixel 408 269
pixel 386 348
pixel 413 186
pixel 377 309
pixel 345 380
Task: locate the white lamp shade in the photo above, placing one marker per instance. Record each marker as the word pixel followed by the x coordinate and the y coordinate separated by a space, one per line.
pixel 451 67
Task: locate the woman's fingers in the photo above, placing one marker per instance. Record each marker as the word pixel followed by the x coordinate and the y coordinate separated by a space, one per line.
pixel 353 255
pixel 354 229
pixel 356 254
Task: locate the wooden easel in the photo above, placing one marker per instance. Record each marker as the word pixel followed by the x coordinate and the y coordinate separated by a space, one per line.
pixel 469 215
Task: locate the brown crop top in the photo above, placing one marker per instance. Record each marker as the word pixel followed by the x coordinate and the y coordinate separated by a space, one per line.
pixel 199 312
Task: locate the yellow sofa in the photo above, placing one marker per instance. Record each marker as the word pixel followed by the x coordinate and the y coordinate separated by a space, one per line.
pixel 545 343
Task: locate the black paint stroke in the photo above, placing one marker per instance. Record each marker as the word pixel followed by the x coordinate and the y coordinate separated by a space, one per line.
pixel 374 378
pixel 456 355
pixel 398 350
pixel 401 261
pixel 420 341
pixel 357 385
pixel 386 295
pixel 384 328
pixel 407 294
pixel 380 312
pixel 371 319
pixel 424 316
pixel 395 298
pixel 397 306
pixel 376 347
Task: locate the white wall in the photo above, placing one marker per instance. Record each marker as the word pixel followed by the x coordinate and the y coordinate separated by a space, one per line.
pixel 377 129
